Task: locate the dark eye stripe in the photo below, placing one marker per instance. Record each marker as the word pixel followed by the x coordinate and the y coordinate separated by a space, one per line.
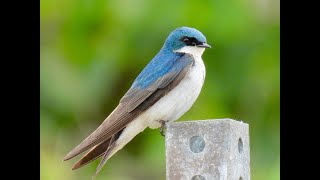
pixel 190 41
pixel 185 39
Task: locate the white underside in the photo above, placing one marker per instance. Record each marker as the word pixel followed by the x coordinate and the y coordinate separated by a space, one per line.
pixel 173 105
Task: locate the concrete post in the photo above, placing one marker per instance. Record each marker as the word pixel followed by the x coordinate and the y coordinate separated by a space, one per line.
pixel 208 150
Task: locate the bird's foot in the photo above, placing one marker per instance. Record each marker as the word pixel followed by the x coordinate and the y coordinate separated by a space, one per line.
pixel 163 127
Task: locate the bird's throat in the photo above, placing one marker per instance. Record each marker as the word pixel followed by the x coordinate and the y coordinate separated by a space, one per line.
pixel 193 50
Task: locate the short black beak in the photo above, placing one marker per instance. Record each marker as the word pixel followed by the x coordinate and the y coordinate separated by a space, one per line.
pixel 205 45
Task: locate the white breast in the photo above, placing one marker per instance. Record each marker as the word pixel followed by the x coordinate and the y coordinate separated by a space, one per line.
pixel 173 105
pixel 179 100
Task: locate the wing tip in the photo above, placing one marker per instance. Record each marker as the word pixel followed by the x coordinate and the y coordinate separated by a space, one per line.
pixel 70 155
pixel 75 152
pixel 66 158
pixel 76 166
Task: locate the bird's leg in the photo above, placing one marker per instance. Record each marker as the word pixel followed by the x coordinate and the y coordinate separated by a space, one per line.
pixel 163 126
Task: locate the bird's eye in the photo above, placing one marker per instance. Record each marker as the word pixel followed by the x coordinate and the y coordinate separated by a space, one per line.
pixel 186 40
pixel 193 44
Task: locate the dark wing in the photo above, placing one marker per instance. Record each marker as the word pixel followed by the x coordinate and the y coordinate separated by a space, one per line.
pixel 93 154
pixel 135 96
pixel 97 151
pixel 135 101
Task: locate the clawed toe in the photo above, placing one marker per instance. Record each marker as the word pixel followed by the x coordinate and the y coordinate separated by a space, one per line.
pixel 163 127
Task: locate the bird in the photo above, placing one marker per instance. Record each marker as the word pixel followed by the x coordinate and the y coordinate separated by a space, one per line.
pixel 164 90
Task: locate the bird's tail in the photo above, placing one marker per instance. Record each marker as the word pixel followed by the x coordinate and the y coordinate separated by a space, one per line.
pixel 119 140
pixel 93 154
pixel 109 152
pixel 97 151
pixel 109 147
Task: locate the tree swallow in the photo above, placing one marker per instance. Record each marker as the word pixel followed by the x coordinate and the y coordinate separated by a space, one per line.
pixel 165 89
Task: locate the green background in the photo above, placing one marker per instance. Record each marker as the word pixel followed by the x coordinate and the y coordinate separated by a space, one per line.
pixel 92 50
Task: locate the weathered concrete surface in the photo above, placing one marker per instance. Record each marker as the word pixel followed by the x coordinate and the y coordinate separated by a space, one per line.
pixel 222 155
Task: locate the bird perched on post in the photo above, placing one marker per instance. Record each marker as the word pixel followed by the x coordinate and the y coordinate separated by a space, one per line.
pixel 165 89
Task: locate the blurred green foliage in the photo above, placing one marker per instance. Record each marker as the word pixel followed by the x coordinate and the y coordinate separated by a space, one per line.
pixel 91 51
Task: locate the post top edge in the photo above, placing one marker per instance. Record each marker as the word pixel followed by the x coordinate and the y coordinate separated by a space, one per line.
pixel 224 120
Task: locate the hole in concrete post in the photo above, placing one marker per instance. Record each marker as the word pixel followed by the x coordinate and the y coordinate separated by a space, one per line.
pixel 198 177
pixel 197 144
pixel 240 145
pixel 240 178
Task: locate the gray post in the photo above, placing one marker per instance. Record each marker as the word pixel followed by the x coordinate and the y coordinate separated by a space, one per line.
pixel 208 150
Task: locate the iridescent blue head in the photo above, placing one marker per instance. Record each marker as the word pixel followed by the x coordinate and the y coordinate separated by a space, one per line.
pixel 185 36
